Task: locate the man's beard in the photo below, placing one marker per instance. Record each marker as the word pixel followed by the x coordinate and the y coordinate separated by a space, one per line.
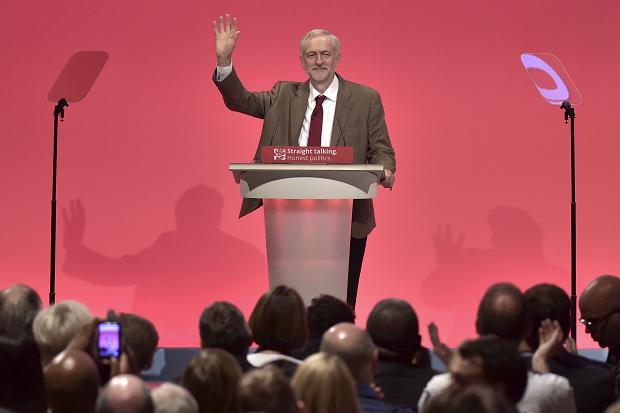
pixel 319 75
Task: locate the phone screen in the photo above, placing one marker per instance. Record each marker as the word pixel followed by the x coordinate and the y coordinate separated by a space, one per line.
pixel 109 339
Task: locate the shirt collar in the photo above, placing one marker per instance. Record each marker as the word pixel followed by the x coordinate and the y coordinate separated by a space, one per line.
pixel 330 93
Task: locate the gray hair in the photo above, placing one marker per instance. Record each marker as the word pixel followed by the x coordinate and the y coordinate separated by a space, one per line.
pixel 54 327
pixel 19 305
pixel 172 398
pixel 320 32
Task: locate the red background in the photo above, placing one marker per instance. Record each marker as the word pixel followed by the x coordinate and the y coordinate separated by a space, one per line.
pixel 477 149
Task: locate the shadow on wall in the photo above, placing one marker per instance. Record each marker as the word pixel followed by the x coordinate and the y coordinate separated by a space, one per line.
pixel 182 272
pixel 463 274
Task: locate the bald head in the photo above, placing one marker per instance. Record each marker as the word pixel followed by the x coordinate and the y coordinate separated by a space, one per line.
pixel 19 304
pixel 125 394
pixel 600 305
pixel 71 382
pixel 604 289
pixel 355 347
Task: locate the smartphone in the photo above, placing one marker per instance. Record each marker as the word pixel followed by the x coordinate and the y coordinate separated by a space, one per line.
pixel 108 339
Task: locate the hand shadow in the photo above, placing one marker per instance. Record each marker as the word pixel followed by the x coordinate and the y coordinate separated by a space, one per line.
pixel 463 274
pixel 182 272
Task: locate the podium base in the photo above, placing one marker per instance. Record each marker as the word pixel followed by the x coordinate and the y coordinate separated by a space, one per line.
pixel 308 245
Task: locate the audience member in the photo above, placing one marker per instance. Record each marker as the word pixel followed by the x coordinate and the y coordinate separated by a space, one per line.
pixel 21 378
pixel 223 326
pixel 172 398
pixel 125 393
pixel 324 312
pixel 355 347
pixel 139 339
pixel 600 308
pixel 55 326
pixel 614 408
pixel 325 385
pixel 592 381
pixel 71 383
pixel 489 360
pixel 393 327
pixel 502 313
pixel 279 326
pixel 212 377
pixel 19 305
pixel 267 390
pixel 475 398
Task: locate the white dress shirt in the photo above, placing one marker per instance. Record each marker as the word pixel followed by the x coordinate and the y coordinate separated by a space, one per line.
pixel 329 108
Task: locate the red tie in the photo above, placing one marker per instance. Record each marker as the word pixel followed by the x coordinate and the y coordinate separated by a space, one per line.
pixel 316 122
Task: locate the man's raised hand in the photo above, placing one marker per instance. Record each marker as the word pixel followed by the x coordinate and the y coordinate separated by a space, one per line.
pixel 226 34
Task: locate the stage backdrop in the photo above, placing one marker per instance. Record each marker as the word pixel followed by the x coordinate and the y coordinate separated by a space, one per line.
pixel 150 210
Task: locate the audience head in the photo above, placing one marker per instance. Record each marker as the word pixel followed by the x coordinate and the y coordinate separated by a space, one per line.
pixel 19 305
pixel 172 398
pixel 21 378
pixel 325 385
pixel 125 394
pixel 326 311
pixel 278 321
pixel 71 383
pixel 222 325
pixel 266 390
pixel 393 327
pixel 502 312
pixel 212 377
pixel 467 399
pixel 140 338
pixel 546 301
pixel 493 361
pixel 600 311
pixel 54 327
pixel 355 347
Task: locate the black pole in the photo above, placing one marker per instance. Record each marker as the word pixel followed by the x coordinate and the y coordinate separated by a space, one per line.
pixel 59 110
pixel 569 112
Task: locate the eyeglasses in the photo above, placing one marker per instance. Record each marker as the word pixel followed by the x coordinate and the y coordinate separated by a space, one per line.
pixel 596 322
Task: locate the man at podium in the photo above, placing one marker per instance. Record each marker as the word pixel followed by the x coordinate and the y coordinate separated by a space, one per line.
pixel 325 110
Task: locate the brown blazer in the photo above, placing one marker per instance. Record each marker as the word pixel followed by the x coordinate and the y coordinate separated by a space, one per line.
pixel 359 122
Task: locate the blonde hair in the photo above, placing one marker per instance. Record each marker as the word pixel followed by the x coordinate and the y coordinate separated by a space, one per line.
pixel 325 385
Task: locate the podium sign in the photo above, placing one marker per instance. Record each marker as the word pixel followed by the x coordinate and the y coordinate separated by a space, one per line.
pixel 307 154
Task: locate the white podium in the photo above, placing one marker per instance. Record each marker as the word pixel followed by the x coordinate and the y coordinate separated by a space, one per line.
pixel 308 220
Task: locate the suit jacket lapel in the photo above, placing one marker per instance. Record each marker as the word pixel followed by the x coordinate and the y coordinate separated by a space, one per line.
pixel 299 104
pixel 343 109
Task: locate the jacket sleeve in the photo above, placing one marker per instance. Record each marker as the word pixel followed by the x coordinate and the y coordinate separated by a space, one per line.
pixel 380 149
pixel 237 98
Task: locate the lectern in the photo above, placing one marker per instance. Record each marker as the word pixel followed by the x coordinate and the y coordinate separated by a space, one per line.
pixel 308 220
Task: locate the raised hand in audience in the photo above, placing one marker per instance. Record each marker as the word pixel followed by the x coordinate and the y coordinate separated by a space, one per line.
pixel 551 337
pixel 570 345
pixel 443 352
pixel 85 340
